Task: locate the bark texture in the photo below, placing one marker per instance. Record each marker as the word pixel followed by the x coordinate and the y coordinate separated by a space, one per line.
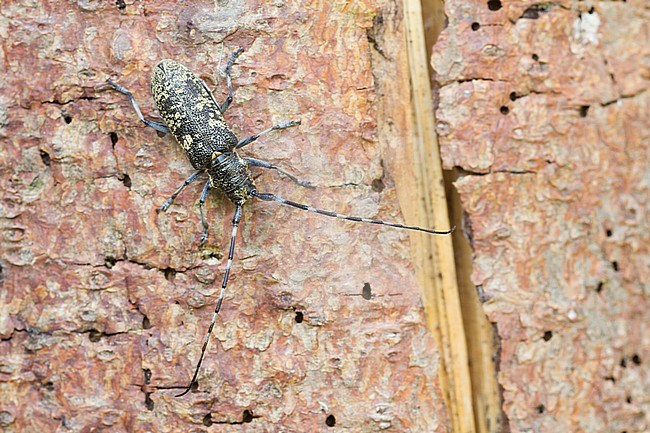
pixel 543 111
pixel 104 303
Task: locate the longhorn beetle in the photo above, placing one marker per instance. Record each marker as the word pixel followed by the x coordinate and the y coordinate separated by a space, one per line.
pixel 194 118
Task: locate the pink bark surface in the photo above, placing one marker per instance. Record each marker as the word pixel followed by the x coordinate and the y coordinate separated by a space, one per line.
pixel 104 302
pixel 543 108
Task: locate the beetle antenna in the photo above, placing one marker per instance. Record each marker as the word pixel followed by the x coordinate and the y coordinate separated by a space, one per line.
pixel 224 284
pixel 275 198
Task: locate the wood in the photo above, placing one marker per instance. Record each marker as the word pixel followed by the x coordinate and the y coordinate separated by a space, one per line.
pixel 104 302
pixel 436 269
pixel 543 112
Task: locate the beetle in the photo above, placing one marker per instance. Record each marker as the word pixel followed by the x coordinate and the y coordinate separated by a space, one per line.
pixel 192 115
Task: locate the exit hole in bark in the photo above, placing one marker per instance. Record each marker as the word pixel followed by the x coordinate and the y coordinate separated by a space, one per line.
pixel 476 26
pixel 299 317
pixel 247 416
pixel 126 180
pixel 109 262
pixel 504 109
pixel 378 185
pixel 94 335
pixel 67 118
pixel 548 335
pixel 113 136
pixel 366 292
pixel 148 402
pixel 45 157
pixel 584 109
pixel 330 421
pixel 494 5
pixel 540 408
pixel 207 420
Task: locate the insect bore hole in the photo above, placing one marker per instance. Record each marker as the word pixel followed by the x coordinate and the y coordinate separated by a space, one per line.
pixel 584 109
pixel 548 335
pixel 494 5
pixel 378 185
pixel 207 420
pixel 45 157
pixel 148 402
pixel 504 110
pixel 540 408
pixel 113 137
pixel 67 118
pixel 94 335
pixel 126 180
pixel 146 323
pixel 615 266
pixel 120 4
pixel 475 26
pixel 366 292
pixel 330 421
pixel 299 317
pixel 247 416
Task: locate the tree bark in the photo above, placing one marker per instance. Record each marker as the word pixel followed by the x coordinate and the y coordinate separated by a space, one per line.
pixel 543 114
pixel 105 302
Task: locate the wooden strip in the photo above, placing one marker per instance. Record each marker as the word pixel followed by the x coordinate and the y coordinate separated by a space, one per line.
pixel 434 254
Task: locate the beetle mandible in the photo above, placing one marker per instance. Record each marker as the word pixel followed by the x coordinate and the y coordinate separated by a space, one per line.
pixel 191 114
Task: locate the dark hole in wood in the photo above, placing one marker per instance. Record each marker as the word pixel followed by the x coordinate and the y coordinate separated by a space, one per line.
pixel 494 5
pixel 366 292
pixel 94 335
pixel 45 157
pixel 330 421
pixel 548 335
pixel 378 185
pixel 126 180
pixel 146 323
pixel 247 416
pixel 170 273
pixel 109 262
pixel 148 402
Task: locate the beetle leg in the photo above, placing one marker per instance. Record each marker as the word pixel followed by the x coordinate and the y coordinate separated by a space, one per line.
pixel 264 164
pixel 228 100
pixel 252 138
pixel 180 189
pixel 204 195
pixel 155 125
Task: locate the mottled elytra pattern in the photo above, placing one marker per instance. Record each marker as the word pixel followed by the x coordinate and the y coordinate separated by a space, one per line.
pixel 194 118
pixel 190 112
